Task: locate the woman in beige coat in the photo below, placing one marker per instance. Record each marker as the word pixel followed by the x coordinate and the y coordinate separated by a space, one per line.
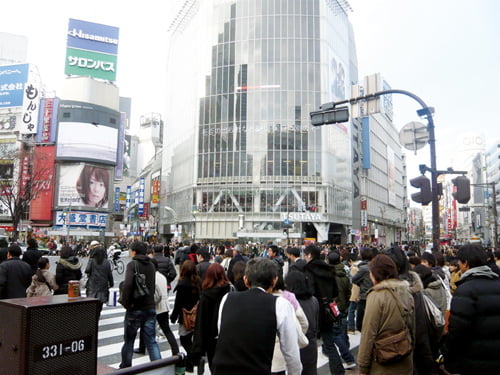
pixel 385 316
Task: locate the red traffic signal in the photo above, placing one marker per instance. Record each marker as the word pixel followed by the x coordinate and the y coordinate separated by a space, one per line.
pixel 462 184
pixel 425 195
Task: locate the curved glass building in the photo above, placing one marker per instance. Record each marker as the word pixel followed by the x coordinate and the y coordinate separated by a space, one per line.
pixel 241 159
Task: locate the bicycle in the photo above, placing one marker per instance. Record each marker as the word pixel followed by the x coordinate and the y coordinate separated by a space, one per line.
pixel 118 264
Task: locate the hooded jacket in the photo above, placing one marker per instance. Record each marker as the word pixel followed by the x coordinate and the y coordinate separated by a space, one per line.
pixel 473 341
pixel 205 332
pixel 344 286
pixel 383 318
pixel 67 270
pixel 146 267
pixel 362 279
pixel 322 277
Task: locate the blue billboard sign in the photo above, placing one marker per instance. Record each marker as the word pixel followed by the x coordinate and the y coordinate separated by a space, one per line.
pixel 13 79
pixel 93 36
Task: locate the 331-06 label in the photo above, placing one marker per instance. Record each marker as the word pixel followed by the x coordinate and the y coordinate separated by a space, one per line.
pixel 62 348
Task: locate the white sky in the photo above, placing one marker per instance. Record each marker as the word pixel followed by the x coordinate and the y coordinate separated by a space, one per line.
pixel 444 51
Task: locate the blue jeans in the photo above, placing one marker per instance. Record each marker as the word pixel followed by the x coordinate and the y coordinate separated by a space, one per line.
pixel 331 352
pixel 351 315
pixel 133 320
pixel 342 340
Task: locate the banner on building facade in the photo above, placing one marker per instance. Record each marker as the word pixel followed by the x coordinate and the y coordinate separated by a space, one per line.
pixel 43 186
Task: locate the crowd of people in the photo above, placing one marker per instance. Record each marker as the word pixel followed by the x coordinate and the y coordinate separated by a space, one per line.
pixel 266 310
pixel 250 309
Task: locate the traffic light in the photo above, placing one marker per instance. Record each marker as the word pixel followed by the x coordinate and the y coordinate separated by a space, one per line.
pixel 462 184
pixel 330 116
pixel 425 194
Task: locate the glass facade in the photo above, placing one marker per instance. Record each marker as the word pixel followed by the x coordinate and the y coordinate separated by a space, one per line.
pixel 239 140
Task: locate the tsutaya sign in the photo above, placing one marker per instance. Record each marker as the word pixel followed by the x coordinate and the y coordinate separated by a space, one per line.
pixel 303 216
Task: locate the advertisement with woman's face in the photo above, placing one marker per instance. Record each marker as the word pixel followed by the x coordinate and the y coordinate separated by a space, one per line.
pixel 84 185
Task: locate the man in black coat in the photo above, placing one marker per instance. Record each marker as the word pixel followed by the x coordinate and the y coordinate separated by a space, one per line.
pixel 4 249
pixel 296 262
pixel 32 254
pixel 322 278
pixel 15 275
pixel 140 310
pixel 165 265
pixel 473 341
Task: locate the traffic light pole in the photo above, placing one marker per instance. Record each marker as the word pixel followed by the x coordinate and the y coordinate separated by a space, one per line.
pixel 427 112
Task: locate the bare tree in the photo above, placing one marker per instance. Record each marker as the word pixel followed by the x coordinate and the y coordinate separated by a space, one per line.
pixel 20 181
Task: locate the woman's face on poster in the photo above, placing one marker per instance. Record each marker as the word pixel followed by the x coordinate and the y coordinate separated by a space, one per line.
pixel 96 191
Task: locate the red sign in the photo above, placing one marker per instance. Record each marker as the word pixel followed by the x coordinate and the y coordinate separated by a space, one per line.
pixel 156 190
pixel 43 184
pixel 47 119
pixel 25 165
pixel 145 213
pixel 364 203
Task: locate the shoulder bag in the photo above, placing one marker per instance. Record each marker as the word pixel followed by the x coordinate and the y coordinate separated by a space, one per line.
pixel 395 347
pixel 433 313
pixel 140 287
pixel 189 317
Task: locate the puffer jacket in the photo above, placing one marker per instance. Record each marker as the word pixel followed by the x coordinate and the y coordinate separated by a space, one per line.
pixel 383 318
pixel 39 288
pixel 322 277
pixel 67 270
pixel 473 341
pixel 362 279
pixel 344 286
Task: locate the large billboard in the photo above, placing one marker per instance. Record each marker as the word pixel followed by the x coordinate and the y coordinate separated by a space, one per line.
pixel 85 186
pixel 87 132
pixel 92 50
pixel 13 79
pixel 43 187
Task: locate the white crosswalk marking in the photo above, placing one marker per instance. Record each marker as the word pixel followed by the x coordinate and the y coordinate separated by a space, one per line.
pixel 110 340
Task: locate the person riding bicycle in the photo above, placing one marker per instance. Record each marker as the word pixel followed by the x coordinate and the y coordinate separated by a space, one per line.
pixel 114 252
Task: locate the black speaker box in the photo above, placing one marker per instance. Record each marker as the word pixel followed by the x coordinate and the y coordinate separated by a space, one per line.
pixel 48 335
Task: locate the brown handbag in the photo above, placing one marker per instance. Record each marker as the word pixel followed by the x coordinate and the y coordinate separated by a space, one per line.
pixel 189 317
pixel 396 346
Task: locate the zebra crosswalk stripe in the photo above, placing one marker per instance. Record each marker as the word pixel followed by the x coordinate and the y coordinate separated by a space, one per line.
pixel 110 339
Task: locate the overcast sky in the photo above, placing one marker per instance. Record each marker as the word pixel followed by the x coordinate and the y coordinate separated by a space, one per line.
pixel 444 51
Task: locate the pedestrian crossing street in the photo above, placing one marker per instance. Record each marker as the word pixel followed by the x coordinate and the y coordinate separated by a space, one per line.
pixel 110 339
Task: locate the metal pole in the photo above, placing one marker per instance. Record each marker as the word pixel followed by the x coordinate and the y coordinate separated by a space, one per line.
pixel 495 216
pixel 432 143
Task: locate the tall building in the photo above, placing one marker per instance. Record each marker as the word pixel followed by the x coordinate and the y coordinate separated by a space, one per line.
pixel 379 168
pixel 493 180
pixel 241 159
pixel 469 156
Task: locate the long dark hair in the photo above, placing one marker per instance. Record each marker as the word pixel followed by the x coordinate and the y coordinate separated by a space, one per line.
pixel 99 254
pixel 189 272
pixel 215 277
pixel 83 183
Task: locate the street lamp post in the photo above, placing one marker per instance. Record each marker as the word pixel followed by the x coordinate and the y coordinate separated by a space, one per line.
pixel 424 111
